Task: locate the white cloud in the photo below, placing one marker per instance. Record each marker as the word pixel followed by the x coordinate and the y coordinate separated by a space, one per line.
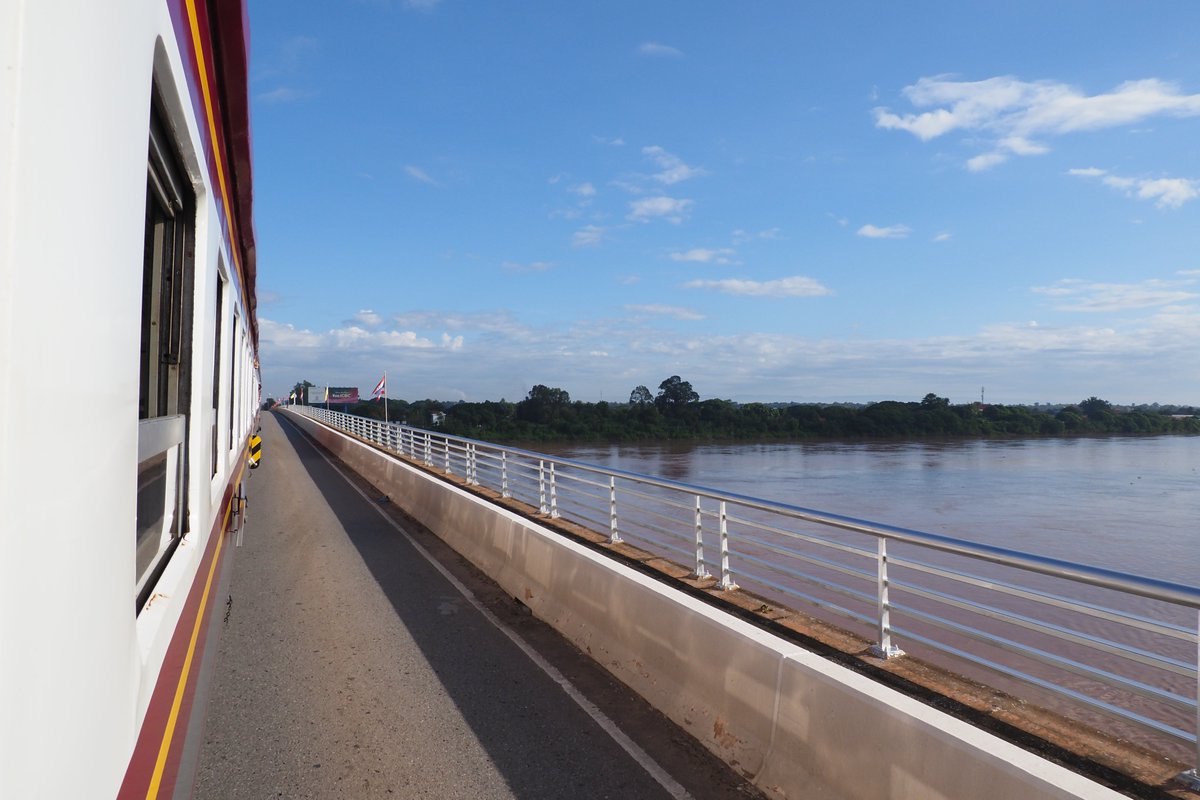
pixel 1089 296
pixel 351 337
pixel 675 312
pixel 1165 192
pixel 985 161
pixel 1168 192
pixel 943 237
pixel 368 317
pixel 588 236
pixel 1012 111
pixel 585 189
pixel 889 232
pixel 499 356
pixel 660 207
pixel 721 255
pixel 673 168
pixel 795 286
pixel 1019 145
pixel 416 173
pixel 657 49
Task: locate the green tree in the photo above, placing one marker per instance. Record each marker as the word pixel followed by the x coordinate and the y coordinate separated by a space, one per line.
pixel 675 392
pixel 639 396
pixel 1094 407
pixel 544 405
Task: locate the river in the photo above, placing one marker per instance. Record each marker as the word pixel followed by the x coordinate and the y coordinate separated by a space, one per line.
pixel 1125 503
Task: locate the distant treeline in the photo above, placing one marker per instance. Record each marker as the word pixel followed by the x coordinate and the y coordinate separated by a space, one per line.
pixel 676 412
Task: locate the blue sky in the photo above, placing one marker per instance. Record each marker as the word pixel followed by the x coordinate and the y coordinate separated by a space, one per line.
pixel 774 200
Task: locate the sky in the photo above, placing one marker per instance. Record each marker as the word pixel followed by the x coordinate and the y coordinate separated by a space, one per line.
pixel 776 201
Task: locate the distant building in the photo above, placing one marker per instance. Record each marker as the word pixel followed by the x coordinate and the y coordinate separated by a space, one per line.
pixel 437 417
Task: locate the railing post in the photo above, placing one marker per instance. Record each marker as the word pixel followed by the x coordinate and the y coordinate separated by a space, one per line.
pixel 726 576
pixel 614 535
pixel 884 648
pixel 542 488
pixel 553 494
pixel 701 571
pixel 428 450
pixel 446 455
pixel 504 474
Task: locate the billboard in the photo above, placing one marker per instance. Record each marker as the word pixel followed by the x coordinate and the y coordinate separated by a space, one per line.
pixel 342 395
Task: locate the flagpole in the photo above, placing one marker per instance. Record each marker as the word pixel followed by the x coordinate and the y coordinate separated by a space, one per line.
pixel 385 413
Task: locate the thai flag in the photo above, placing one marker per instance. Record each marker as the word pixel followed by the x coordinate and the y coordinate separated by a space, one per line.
pixel 381 387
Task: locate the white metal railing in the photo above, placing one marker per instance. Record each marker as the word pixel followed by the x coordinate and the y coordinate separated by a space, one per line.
pixel 1122 645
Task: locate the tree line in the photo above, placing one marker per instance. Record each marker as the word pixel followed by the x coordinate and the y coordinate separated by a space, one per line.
pixel 677 412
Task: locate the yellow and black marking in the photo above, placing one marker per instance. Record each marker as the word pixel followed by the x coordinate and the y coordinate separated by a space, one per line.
pixel 255 450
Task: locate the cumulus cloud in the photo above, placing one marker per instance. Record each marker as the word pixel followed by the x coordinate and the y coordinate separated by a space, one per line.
pixel 794 286
pixel 585 189
pixel 889 232
pixel 1089 296
pixel 1010 113
pixel 657 310
pixel 672 166
pixel 660 207
pixel 943 237
pixel 658 49
pixel 720 255
pixel 1165 192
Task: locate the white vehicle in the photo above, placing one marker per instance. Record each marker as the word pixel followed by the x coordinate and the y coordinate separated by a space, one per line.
pixel 129 380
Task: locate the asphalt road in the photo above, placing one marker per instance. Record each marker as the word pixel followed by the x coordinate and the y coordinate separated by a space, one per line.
pixel 349 666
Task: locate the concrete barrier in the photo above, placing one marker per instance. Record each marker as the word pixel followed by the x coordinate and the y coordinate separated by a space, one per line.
pixel 785 717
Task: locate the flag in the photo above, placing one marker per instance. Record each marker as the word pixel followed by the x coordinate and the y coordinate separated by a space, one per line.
pixel 381 387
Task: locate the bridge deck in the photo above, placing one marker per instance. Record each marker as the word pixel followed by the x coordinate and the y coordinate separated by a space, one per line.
pixel 350 665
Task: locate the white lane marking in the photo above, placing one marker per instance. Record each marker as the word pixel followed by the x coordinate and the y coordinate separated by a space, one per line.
pixel 673 787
